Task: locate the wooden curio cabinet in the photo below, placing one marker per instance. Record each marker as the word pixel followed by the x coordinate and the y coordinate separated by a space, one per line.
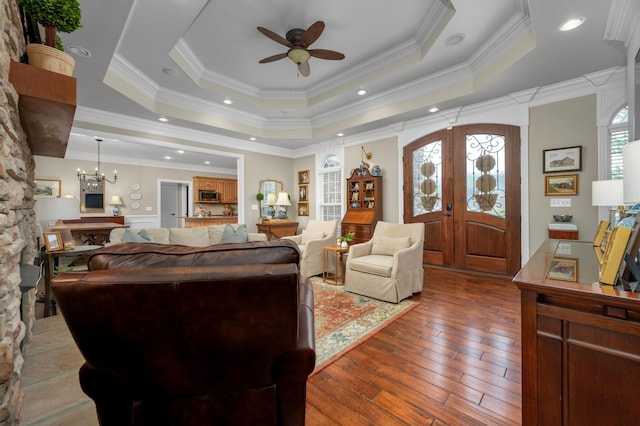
pixel 364 205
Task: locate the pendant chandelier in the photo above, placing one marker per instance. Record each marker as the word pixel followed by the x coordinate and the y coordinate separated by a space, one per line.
pixel 95 179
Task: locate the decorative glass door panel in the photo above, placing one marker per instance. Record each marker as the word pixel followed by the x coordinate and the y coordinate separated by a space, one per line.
pixel 486 174
pixel 427 182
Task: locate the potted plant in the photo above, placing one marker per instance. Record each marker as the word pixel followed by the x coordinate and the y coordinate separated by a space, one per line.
pixel 346 239
pixel 54 16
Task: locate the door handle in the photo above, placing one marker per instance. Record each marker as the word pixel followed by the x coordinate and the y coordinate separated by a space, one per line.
pixel 449 209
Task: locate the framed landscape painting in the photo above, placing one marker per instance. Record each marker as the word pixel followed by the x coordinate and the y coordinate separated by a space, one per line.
pixel 561 185
pixel 563 269
pixel 47 188
pixel 562 159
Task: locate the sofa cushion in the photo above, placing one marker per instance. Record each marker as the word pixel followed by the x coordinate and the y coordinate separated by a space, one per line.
pixel 137 237
pixel 373 264
pixel 315 226
pixel 158 235
pixel 308 235
pixel 235 235
pixel 389 245
pixel 192 237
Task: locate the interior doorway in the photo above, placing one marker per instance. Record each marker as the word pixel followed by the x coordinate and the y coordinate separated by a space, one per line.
pixel 463 183
pixel 174 203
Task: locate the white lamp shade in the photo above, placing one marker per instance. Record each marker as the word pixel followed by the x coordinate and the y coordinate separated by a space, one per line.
pixel 607 193
pixel 116 201
pixel 283 199
pixel 631 170
pixel 271 199
pixel 54 209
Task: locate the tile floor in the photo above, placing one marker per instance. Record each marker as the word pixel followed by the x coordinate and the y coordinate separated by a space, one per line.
pixel 52 394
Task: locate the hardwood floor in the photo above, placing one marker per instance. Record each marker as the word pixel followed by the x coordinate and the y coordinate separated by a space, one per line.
pixel 455 360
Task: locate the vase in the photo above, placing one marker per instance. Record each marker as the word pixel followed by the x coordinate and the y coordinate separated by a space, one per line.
pixel 50 59
pixel 344 244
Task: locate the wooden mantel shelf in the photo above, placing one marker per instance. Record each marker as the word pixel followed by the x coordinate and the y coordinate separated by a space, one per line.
pixel 47 105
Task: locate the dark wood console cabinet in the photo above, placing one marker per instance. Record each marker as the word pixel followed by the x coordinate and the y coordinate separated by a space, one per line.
pixel 364 205
pixel 580 343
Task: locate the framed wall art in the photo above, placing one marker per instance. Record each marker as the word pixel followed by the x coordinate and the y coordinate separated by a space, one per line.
pixel 47 188
pixel 303 177
pixel 562 185
pixel 303 192
pixel 562 159
pixel 303 209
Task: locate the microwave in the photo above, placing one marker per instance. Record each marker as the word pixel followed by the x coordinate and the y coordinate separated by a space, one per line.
pixel 207 195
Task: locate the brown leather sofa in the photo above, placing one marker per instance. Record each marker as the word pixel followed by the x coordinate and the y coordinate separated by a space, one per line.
pixel 176 335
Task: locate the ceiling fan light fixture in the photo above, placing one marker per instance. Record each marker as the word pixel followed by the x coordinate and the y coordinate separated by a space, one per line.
pixel 298 55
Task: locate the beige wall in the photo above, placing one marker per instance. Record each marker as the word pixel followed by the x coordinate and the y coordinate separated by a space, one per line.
pixel 556 125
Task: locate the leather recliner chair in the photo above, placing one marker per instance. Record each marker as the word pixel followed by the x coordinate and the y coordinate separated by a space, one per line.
pixel 227 343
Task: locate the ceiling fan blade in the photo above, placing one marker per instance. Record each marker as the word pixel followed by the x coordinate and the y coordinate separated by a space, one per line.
pixel 304 69
pixel 275 37
pixel 312 33
pixel 326 54
pixel 273 58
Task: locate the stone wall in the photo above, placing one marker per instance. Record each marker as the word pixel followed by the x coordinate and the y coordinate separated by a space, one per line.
pixel 17 226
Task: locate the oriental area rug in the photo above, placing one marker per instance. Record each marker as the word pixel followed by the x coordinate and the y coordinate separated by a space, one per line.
pixel 344 320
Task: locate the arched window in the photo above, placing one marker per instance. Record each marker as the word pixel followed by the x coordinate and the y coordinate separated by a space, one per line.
pixel 618 137
pixel 330 205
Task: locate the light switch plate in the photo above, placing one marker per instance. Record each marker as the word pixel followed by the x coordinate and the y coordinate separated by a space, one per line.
pixel 560 202
pixel 148 209
pixel 254 207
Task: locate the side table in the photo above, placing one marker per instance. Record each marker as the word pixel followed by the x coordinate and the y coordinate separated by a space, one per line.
pixel 339 254
pixel 50 260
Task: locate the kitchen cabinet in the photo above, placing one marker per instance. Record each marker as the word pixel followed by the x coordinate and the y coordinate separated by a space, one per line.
pixel 227 189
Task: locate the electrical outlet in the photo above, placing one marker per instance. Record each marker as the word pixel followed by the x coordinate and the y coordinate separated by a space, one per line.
pixel 560 202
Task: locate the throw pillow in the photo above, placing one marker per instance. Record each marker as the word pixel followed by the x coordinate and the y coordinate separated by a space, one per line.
pixel 231 235
pixel 389 245
pixel 307 236
pixel 139 237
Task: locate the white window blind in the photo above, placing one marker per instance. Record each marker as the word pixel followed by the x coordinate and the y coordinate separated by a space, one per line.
pixel 618 138
pixel 331 197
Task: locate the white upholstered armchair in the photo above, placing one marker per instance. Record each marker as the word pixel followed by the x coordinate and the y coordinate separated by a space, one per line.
pixel 389 266
pixel 311 241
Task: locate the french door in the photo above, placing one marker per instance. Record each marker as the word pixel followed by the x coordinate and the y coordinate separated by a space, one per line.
pixel 464 185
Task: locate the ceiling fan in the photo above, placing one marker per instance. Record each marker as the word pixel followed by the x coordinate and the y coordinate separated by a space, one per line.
pixel 298 40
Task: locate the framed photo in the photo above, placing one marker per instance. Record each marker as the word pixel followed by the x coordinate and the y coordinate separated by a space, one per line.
pixel 53 241
pixel 563 269
pixel 303 177
pixel 303 192
pixel 47 188
pixel 303 209
pixel 562 159
pixel 561 185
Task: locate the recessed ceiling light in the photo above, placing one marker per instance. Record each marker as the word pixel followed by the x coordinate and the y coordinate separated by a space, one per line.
pixel 571 24
pixel 163 119
pixel 252 138
pixel 180 151
pixel 340 134
pixel 207 162
pixel 434 109
pixel 171 72
pixel 166 157
pixel 228 101
pixel 361 92
pixel 79 51
pixel 454 39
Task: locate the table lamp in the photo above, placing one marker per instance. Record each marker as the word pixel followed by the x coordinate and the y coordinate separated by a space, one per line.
pixel 271 202
pixel 116 202
pixel 608 193
pixel 282 202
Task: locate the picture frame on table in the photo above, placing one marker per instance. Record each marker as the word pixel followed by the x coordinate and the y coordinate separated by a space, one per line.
pixel 303 177
pixel 561 185
pixel 567 159
pixel 53 241
pixel 564 269
pixel 47 188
